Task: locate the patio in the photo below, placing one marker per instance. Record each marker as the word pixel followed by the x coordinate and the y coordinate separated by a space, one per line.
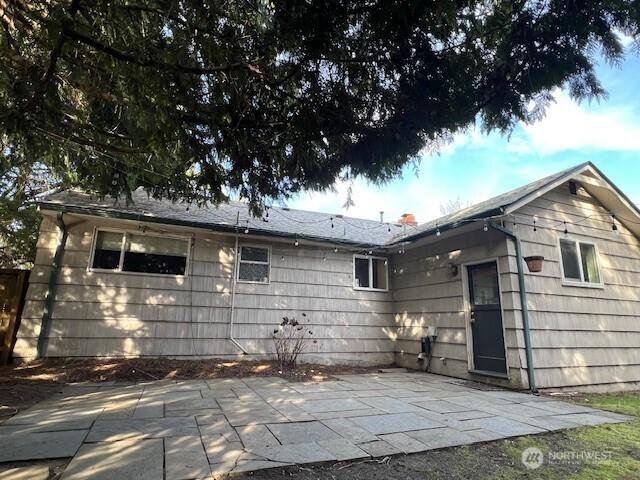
pixel 206 428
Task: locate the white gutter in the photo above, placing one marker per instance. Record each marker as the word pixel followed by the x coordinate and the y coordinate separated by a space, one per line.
pixel 233 298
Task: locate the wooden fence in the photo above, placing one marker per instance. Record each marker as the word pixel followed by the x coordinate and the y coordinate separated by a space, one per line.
pixel 13 287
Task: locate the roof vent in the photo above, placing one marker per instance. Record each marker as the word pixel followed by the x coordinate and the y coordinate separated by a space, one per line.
pixel 573 188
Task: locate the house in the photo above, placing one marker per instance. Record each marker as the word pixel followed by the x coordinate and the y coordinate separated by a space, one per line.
pixel 156 278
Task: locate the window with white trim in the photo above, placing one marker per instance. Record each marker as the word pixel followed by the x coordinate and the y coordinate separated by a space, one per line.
pixel 139 253
pixel 370 273
pixel 253 264
pixel 579 262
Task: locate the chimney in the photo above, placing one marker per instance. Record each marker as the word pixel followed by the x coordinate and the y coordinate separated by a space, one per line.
pixel 408 219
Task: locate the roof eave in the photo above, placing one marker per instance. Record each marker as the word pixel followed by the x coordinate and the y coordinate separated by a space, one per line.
pixel 498 211
pixel 526 199
pixel 214 227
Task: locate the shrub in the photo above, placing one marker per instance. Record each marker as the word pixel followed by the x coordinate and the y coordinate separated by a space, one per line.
pixel 290 339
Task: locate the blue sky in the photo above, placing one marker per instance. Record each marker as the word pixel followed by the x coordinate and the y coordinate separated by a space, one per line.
pixel 476 166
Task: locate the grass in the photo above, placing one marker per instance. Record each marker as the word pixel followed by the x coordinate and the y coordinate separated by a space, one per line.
pixel 610 451
pixel 617 447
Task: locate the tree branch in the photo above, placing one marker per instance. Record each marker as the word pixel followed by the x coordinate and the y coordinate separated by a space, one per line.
pixel 55 53
pixel 129 58
pixel 89 143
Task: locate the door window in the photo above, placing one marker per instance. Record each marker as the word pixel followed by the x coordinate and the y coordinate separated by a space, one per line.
pixel 485 285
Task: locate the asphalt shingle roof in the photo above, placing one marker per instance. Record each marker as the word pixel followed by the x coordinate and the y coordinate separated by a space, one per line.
pixel 232 216
pixel 235 216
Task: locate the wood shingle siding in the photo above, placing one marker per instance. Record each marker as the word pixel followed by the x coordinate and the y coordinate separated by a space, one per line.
pixel 425 293
pixel 104 314
pixel 581 336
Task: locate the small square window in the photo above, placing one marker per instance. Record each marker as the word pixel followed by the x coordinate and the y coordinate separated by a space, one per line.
pixel 253 264
pixel 579 262
pixel 370 273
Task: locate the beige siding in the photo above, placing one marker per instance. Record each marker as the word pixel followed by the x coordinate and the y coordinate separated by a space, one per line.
pixel 425 293
pixel 580 335
pixel 111 314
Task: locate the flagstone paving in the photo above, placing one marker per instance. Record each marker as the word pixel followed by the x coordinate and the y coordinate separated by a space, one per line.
pixel 203 429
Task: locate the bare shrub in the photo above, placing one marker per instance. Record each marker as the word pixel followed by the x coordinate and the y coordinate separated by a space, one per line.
pixel 290 339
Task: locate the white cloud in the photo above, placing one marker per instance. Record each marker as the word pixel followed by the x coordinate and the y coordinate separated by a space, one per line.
pixel 571 126
pixel 369 201
pixel 506 164
pixel 421 195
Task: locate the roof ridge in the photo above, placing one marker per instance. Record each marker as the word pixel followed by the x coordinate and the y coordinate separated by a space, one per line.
pixel 513 190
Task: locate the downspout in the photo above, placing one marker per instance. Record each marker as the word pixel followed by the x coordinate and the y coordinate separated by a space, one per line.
pixel 233 298
pixel 523 301
pixel 47 311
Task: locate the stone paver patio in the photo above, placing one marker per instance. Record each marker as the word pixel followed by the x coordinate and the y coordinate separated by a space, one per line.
pixel 206 428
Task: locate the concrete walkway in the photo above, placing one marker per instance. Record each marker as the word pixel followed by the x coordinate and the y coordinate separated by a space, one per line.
pixel 203 429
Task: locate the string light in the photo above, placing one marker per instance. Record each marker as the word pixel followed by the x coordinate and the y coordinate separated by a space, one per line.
pixel 335 250
pixel 331 222
pixel 296 243
pixel 437 231
pixel 566 230
pixel 486 227
pixel 614 227
pixel 246 230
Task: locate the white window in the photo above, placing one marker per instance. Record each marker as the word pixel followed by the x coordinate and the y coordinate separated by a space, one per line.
pixel 119 251
pixel 579 262
pixel 370 273
pixel 253 264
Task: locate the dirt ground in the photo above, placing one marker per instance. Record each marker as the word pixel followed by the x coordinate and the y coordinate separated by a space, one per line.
pixel 23 385
pixel 475 462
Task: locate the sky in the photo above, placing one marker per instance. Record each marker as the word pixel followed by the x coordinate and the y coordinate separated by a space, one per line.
pixel 476 166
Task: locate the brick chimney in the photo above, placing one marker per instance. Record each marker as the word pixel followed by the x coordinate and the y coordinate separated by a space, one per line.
pixel 408 219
